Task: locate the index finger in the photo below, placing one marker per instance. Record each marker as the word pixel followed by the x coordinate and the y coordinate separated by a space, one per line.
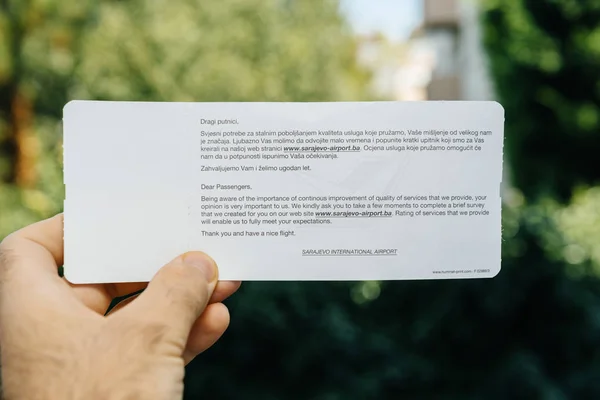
pixel 36 250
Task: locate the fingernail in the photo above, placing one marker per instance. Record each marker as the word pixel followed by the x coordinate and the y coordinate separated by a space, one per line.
pixel 202 261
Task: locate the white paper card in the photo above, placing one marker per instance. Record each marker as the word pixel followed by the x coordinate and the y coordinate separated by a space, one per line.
pixel 284 191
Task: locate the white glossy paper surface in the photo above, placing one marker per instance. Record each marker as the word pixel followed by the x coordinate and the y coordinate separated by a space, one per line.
pixel 284 191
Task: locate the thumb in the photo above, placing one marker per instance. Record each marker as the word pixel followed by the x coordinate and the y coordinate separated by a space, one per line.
pixel 178 294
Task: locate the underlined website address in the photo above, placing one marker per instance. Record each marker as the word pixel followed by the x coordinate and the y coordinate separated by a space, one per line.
pixel 353 214
pixel 315 149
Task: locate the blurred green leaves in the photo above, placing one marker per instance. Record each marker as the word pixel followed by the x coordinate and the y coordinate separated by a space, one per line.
pixel 176 50
pixel 219 51
pixel 580 224
pixel 544 59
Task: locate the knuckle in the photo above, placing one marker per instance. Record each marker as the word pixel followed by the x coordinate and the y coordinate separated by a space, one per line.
pixel 150 333
pixel 153 334
pixel 185 285
pixel 187 299
pixel 5 248
pixel 7 254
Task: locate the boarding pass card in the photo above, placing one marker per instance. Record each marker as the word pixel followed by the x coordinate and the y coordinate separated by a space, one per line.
pixel 284 191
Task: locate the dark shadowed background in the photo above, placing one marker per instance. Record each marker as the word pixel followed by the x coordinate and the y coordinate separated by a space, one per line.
pixel 531 333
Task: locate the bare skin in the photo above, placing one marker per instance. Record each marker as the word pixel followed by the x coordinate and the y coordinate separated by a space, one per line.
pixel 56 342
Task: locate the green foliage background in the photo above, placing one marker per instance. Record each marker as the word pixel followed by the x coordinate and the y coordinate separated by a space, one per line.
pixel 545 57
pixel 531 333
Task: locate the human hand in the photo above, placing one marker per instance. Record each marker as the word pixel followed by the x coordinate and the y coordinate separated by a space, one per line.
pixel 56 342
